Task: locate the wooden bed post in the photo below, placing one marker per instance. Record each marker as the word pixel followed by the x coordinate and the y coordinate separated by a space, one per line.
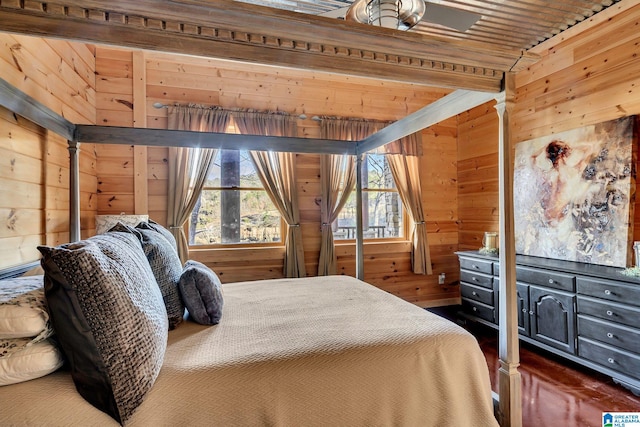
pixel 510 404
pixel 74 191
pixel 140 164
pixel 359 234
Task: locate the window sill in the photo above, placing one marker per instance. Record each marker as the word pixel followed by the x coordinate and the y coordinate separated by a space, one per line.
pixel 376 242
pixel 236 248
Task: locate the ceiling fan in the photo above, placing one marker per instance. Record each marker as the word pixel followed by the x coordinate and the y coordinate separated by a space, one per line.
pixel 404 14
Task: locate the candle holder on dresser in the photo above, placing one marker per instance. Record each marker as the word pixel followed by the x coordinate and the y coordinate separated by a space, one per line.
pixel 635 270
pixel 489 243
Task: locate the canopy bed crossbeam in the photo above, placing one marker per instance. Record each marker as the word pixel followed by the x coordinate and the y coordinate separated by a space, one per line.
pixel 13 99
pixel 184 138
pixel 455 103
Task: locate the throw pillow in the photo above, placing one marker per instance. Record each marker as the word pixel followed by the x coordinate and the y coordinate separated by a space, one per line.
pixel 109 318
pixel 21 360
pixel 202 293
pixel 160 229
pixel 165 265
pixel 105 222
pixel 23 309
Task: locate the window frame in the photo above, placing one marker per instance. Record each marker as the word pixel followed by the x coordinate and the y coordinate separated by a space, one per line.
pixel 370 240
pixel 283 223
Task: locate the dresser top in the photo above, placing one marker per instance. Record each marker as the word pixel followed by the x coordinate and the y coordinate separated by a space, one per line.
pixel 578 268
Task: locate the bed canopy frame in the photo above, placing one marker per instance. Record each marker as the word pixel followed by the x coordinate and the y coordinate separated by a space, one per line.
pixel 459 101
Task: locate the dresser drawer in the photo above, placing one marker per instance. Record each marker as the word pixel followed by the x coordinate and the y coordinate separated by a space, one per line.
pixel 618 360
pixel 609 290
pixel 610 311
pixel 477 279
pixel 478 309
pixel 477 265
pixel 477 293
pixel 550 279
pixel 609 333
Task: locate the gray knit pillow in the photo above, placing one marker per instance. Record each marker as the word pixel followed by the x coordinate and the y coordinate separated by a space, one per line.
pixel 202 293
pixel 166 266
pixel 152 225
pixel 109 317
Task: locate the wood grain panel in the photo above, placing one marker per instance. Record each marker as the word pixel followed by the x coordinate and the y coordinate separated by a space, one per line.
pixel 21 222
pixel 35 59
pixel 60 75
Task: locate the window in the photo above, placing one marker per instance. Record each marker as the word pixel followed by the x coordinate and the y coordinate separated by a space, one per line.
pixel 381 205
pixel 234 207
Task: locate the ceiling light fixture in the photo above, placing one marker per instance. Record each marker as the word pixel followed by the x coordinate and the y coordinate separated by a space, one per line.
pixel 395 14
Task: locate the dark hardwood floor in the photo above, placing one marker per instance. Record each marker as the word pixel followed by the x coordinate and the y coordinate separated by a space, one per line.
pixel 556 392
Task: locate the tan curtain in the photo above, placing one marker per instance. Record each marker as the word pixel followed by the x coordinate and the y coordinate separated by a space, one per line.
pixel 189 167
pixel 405 168
pixel 278 175
pixel 336 170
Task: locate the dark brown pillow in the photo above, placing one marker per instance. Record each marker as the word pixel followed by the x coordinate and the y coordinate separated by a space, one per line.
pixel 109 317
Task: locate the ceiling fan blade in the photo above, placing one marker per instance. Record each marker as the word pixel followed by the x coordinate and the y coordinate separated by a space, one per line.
pixel 457 19
pixel 335 13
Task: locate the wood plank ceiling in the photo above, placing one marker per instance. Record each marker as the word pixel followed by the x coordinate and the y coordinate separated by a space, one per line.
pixel 517 24
pixel 290 33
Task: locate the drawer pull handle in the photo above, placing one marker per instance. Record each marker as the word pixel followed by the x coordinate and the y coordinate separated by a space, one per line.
pixel 551 281
pixel 475 308
pixel 524 310
pixel 611 360
pixel 531 312
pixel 474 266
pixel 474 278
pixel 607 292
pixel 609 335
pixel 474 293
pixel 609 313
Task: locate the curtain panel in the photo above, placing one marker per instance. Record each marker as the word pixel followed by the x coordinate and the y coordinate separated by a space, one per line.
pixel 189 167
pixel 337 180
pixel 404 163
pixel 277 172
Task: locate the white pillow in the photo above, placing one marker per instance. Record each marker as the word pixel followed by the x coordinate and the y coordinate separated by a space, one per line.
pixel 104 223
pixel 22 361
pixel 23 309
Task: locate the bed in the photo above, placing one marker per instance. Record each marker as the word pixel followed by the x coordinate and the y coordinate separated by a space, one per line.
pixel 316 351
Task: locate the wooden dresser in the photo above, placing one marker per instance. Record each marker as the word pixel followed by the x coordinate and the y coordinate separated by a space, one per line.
pixel 586 313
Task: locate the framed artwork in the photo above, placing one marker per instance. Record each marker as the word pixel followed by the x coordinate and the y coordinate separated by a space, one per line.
pixel 574 194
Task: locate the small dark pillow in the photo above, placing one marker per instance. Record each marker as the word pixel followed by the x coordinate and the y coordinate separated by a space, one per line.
pixel 165 265
pixel 202 293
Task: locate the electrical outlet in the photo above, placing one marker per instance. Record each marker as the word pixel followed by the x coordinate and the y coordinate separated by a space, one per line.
pixel 441 278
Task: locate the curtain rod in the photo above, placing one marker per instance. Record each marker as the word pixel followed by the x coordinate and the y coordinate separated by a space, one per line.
pixel 302 116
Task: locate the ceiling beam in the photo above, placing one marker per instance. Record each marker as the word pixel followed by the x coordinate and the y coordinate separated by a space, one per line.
pixel 232 30
pixel 453 104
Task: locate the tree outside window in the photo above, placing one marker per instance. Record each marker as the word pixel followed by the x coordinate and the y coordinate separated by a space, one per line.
pixel 234 207
pixel 381 205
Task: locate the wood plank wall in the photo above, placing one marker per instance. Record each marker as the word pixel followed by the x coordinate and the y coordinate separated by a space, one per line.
pixel 176 79
pixel 585 77
pixel 34 163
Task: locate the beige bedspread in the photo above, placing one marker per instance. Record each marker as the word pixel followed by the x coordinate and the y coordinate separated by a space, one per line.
pixel 325 351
